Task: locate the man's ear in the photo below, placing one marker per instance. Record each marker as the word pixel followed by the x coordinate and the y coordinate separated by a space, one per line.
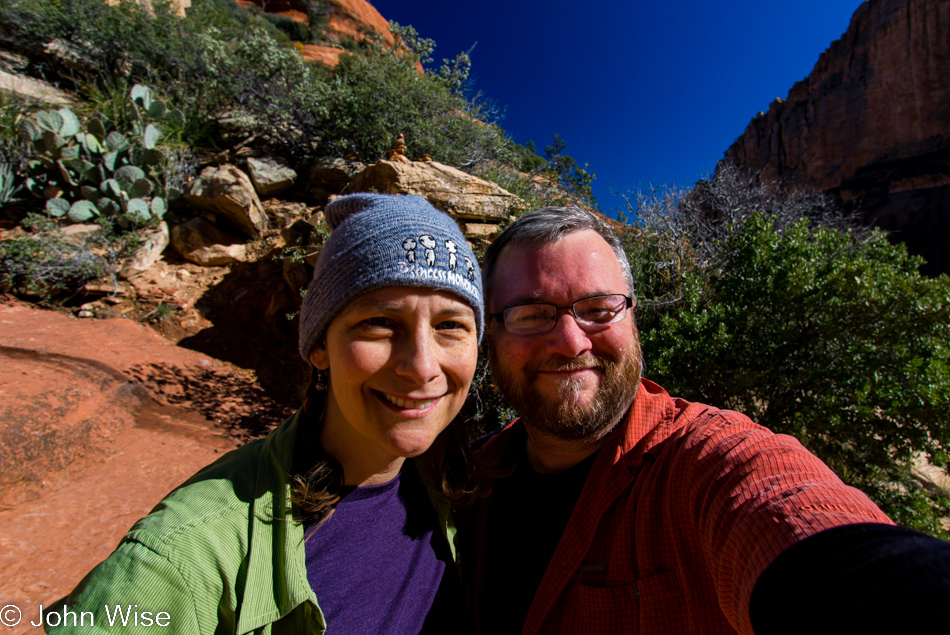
pixel 319 357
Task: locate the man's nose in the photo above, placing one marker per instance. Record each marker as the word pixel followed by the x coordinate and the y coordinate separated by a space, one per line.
pixel 567 338
pixel 418 359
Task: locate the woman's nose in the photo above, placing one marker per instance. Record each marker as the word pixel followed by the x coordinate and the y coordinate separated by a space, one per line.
pixel 418 358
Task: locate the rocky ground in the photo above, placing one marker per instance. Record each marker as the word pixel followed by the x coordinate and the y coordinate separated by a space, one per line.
pixel 101 418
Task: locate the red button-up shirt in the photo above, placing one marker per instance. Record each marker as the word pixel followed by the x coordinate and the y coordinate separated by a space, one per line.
pixel 685 506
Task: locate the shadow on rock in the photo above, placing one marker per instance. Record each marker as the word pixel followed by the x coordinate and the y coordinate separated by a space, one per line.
pixel 236 404
pixel 249 311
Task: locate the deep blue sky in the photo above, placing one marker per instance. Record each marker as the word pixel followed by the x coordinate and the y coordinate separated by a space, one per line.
pixel 644 92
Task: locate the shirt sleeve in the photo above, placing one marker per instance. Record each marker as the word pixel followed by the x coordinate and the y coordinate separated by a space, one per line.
pixel 865 578
pixel 134 590
pixel 750 495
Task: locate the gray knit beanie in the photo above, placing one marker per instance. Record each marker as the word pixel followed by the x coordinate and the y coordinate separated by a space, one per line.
pixel 381 240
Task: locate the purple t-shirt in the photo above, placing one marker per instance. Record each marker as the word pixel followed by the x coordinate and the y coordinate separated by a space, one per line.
pixel 372 564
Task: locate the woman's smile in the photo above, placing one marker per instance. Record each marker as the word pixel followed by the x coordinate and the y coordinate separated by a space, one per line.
pixel 406 405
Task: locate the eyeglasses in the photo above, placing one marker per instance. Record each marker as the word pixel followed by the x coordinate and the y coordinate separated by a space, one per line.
pixel 599 310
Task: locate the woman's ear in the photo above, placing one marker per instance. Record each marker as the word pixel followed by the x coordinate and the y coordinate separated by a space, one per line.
pixel 319 357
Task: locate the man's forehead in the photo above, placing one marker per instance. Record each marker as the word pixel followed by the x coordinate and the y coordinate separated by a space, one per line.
pixel 578 243
pixel 580 264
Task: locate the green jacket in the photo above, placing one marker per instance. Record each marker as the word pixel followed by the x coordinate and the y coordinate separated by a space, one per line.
pixel 220 554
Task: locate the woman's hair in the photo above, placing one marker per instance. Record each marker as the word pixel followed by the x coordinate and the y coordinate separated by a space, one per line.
pixel 318 478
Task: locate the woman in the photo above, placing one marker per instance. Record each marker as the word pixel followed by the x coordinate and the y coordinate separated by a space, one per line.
pixel 324 524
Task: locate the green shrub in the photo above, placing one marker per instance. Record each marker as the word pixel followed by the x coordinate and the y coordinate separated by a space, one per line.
pixel 277 95
pixel 376 96
pixel 40 261
pixel 125 43
pixel 351 45
pixel 223 60
pixel 575 179
pixel 826 333
pixel 317 16
pixel 296 31
pixel 527 159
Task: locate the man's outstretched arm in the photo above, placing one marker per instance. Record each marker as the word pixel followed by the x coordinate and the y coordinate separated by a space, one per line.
pixel 869 578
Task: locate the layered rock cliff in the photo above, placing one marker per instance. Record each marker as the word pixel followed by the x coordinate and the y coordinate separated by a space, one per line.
pixel 871 124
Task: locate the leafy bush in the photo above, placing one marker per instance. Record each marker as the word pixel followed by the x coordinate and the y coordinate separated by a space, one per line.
pixel 575 179
pixel 536 190
pixel 378 95
pixel 317 16
pixel 527 158
pixel 268 89
pixel 42 262
pixel 555 181
pixel 357 108
pixel 126 43
pixel 826 333
pixel 294 30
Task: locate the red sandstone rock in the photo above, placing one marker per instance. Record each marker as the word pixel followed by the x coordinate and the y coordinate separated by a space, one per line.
pixel 871 123
pixel 346 19
pixel 326 55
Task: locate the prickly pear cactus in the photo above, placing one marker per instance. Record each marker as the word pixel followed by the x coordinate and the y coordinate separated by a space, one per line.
pixel 90 169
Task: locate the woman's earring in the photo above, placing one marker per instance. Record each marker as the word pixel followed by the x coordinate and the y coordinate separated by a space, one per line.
pixel 320 380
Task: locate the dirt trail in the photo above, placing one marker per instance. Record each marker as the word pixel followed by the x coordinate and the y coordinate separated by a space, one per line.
pixel 99 419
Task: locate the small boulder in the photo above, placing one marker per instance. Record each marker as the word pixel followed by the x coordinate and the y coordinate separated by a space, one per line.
pixel 29 89
pixel 324 177
pixel 152 243
pixel 458 194
pixel 282 213
pixel 108 287
pixel 204 244
pixel 269 176
pixel 303 234
pixel 78 233
pixel 228 192
pixel 297 233
pixel 474 231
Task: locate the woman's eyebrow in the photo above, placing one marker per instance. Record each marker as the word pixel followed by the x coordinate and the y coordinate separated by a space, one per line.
pixel 462 311
pixel 369 304
pixel 388 306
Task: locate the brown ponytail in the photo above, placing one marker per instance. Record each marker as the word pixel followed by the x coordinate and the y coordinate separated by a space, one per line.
pixel 318 477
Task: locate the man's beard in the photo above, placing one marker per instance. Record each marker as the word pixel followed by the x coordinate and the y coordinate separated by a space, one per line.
pixel 564 417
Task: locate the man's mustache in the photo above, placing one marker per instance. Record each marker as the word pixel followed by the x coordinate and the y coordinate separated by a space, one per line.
pixel 583 362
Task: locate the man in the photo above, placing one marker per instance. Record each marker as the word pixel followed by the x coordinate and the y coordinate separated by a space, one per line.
pixel 618 509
